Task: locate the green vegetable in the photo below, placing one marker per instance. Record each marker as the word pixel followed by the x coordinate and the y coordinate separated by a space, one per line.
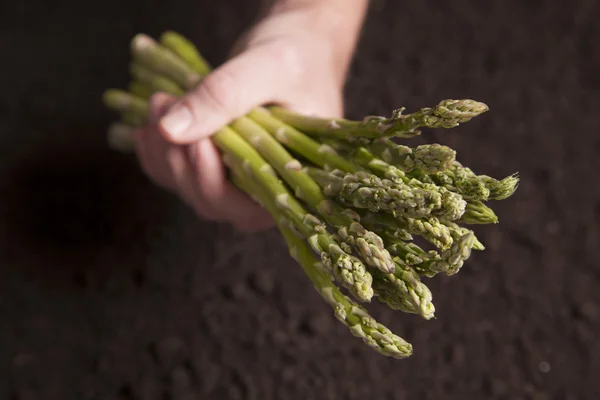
pixel 347 199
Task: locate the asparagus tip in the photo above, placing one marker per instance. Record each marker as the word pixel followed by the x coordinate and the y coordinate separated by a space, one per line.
pixel 503 189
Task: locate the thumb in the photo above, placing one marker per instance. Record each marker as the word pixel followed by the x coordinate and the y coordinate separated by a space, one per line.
pixel 251 79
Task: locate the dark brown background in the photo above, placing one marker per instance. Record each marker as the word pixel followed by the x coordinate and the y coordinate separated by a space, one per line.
pixel 110 289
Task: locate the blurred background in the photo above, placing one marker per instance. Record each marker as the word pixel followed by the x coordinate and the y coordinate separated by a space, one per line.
pixel 111 289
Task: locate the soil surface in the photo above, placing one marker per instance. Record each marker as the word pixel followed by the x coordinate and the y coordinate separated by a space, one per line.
pixel 111 289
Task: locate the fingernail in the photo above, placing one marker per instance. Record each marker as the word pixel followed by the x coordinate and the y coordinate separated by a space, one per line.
pixel 177 121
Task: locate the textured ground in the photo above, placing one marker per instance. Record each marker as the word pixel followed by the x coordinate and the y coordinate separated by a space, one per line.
pixel 109 289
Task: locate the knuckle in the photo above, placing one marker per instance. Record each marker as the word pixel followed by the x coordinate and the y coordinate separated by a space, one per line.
pixel 219 88
pixel 157 104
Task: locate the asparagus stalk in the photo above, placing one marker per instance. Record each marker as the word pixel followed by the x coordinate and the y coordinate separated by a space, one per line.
pixel 319 154
pixel 477 212
pixel 186 50
pixel 140 89
pixel 364 190
pixel 356 318
pixel 429 158
pixel 470 186
pixel 447 114
pixel 163 61
pixel 366 243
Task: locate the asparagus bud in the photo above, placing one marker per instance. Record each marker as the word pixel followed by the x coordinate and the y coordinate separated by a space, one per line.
pixel 477 212
pixel 503 189
pixel 403 290
pixel 447 114
pixel 365 190
pixel 429 158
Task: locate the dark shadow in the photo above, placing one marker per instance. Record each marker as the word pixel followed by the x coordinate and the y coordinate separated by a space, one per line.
pixel 69 198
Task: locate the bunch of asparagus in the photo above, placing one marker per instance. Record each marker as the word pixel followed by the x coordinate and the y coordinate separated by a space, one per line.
pixel 347 198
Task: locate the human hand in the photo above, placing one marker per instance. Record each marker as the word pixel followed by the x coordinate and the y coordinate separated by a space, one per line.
pixel 296 57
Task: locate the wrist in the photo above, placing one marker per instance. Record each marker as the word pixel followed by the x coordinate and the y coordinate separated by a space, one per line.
pixel 336 22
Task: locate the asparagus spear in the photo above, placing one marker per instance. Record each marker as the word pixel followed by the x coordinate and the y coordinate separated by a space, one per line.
pixel 154 81
pixel 364 190
pixel 429 158
pixel 477 212
pixel 186 50
pixel 356 318
pixel 447 114
pixel 319 154
pixel 141 89
pixel 163 61
pixel 469 185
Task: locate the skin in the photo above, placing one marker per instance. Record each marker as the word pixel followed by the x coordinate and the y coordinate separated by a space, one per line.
pixel 296 55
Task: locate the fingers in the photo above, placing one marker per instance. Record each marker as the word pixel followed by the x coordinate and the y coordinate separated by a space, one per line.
pixel 249 80
pixel 218 193
pixel 196 174
pixel 151 148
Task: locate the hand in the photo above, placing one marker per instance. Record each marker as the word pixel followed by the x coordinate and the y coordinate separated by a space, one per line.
pixel 285 59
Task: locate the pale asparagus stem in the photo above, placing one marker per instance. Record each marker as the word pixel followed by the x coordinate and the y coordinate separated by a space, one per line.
pixel 153 80
pixel 356 318
pixel 284 163
pixel 320 154
pixel 349 271
pixel 186 50
pixel 367 244
pixel 132 119
pixel 447 114
pixel 365 190
pixel 122 101
pixel 148 52
pixel 429 158
pixel 119 137
pixel 477 212
pixel 140 89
